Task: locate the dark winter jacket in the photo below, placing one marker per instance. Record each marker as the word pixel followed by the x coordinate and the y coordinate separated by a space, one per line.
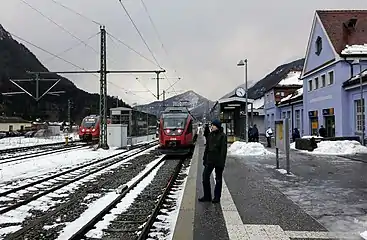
pixel 216 149
pixel 295 134
pixel 322 132
pixel 206 131
pixel 255 132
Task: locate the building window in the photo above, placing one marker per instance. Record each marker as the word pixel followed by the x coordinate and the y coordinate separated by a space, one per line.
pixel 330 77
pixel 288 114
pixel 318 45
pixel 283 115
pixel 298 119
pixel 11 128
pixel 316 82
pixel 323 80
pixel 309 85
pixel 268 119
pixel 359 115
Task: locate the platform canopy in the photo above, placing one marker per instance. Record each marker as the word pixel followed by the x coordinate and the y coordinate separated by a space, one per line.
pixel 235 99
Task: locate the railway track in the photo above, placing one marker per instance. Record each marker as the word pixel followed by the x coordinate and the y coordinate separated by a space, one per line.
pixel 16 150
pixel 137 221
pixel 26 226
pixel 46 151
pixel 34 190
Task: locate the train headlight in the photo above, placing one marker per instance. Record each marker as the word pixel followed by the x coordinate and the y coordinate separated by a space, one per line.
pixel 179 131
pixel 93 130
pixel 168 131
pixel 83 130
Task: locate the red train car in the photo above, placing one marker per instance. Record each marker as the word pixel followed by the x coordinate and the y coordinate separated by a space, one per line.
pixel 177 131
pixel 89 128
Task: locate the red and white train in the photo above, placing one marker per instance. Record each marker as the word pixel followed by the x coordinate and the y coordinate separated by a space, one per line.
pixel 89 128
pixel 177 130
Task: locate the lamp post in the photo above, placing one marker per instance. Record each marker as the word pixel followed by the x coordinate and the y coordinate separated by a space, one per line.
pixel 357 61
pixel 240 64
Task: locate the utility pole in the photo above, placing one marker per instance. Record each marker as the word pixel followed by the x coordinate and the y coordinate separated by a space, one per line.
pixel 103 92
pixel 164 98
pixel 69 114
pixel 157 85
pixel 103 85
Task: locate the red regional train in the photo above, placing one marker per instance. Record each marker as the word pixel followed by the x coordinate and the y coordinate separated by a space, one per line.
pixel 89 128
pixel 177 131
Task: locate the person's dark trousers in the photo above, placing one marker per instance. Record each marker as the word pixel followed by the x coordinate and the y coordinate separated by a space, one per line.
pixel 208 169
pixel 268 139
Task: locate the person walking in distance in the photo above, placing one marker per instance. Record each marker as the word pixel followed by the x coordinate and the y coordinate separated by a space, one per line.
pixel 215 155
pixel 268 135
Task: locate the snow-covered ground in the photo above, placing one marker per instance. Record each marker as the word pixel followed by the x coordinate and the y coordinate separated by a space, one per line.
pixel 96 206
pixel 17 216
pixel 20 170
pixel 344 147
pixel 16 142
pixel 248 149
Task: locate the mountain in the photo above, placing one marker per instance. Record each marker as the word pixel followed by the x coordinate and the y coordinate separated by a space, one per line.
pixel 197 104
pixel 15 60
pixel 269 81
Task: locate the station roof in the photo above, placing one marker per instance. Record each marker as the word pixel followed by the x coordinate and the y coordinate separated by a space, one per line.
pixel 235 99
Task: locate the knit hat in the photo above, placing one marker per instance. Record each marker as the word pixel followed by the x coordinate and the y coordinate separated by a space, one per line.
pixel 217 123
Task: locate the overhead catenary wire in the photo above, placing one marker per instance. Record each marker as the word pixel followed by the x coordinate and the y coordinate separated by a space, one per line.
pixel 109 33
pixel 141 36
pixel 69 62
pixel 159 37
pixel 77 13
pixel 58 25
pixel 113 42
pixel 72 47
pixel 64 29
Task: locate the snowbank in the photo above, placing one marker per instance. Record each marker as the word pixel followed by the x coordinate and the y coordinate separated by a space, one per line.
pixel 337 148
pixel 15 142
pixel 248 149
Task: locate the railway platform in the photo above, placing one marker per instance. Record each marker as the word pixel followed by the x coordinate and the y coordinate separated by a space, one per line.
pixel 251 208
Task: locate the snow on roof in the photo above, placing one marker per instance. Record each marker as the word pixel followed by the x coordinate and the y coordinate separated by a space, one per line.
pixel 291 79
pixel 364 73
pixel 258 103
pixel 355 49
pixel 296 94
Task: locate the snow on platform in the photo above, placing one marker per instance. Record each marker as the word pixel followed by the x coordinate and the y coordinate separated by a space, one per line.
pixel 248 149
pixel 336 148
pixel 16 142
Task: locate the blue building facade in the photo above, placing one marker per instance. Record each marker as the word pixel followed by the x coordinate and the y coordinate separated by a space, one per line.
pixel 330 95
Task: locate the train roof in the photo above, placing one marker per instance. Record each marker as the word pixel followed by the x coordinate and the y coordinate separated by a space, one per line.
pixel 176 110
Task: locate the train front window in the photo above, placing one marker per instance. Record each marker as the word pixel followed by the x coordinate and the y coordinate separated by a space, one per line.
pixel 174 123
pixel 89 122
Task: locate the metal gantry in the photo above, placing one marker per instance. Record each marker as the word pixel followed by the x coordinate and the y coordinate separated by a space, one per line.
pixel 103 85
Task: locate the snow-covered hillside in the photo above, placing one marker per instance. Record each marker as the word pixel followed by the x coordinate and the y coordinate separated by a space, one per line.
pixel 197 104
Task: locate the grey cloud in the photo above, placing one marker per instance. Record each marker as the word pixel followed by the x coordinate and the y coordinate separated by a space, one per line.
pixel 205 39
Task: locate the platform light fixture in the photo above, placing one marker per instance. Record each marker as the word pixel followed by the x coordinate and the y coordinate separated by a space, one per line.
pixel 233 105
pixel 229 107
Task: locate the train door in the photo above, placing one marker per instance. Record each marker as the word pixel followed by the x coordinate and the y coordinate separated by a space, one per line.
pixel 189 136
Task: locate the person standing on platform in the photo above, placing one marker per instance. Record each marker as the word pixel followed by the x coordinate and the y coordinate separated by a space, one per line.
pixel 215 155
pixel 268 135
pixel 255 133
pixel 206 132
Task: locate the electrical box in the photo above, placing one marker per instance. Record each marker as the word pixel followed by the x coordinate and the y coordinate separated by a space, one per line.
pixel 117 135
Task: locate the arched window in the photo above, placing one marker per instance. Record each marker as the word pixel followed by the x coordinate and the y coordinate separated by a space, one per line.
pixel 318 45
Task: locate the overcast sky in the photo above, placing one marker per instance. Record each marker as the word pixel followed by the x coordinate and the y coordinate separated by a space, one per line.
pixel 204 39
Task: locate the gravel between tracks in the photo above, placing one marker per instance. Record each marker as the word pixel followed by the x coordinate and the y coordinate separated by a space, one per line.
pixel 145 203
pixel 84 195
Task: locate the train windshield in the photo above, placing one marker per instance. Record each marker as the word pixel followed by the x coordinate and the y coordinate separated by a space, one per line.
pixel 174 121
pixel 89 122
